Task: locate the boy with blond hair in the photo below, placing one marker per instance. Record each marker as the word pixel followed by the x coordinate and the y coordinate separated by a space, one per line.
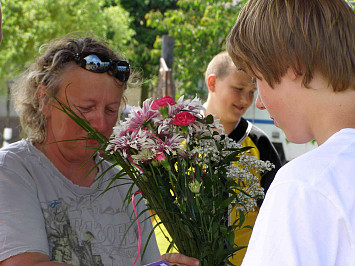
pixel 230 94
pixel 302 54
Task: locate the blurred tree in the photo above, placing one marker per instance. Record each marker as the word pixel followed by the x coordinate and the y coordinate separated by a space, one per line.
pixel 200 29
pixel 142 55
pixel 27 24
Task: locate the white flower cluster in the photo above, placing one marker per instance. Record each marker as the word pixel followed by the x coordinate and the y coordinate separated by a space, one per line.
pixel 244 171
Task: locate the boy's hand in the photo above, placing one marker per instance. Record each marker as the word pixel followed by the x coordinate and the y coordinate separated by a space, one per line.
pixel 180 259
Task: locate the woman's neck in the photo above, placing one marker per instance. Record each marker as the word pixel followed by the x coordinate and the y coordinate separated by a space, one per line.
pixel 81 172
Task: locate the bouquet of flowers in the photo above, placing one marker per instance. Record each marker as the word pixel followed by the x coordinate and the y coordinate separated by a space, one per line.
pixel 190 175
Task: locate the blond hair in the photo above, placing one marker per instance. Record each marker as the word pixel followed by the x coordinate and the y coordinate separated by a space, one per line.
pixel 220 65
pixel 271 36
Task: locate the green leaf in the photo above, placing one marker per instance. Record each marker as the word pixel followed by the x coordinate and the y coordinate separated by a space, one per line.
pixel 209 119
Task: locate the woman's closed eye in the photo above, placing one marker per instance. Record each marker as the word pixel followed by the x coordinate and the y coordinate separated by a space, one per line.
pixel 111 110
pixel 84 109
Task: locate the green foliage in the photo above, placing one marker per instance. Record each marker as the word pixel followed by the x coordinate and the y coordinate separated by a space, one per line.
pixel 200 29
pixel 27 24
pixel 142 54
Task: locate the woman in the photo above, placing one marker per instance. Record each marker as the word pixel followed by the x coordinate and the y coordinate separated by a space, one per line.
pixel 51 210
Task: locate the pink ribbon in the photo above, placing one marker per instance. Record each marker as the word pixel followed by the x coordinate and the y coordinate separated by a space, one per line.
pixel 139 226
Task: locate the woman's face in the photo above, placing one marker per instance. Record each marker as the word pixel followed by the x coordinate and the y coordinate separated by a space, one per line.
pixel 97 96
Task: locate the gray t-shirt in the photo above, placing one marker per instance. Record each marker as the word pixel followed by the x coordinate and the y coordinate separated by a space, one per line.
pixel 43 211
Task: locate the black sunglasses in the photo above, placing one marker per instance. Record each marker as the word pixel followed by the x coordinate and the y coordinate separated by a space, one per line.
pixel 93 62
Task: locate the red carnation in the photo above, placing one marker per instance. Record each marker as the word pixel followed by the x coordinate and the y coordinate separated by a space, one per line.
pixel 183 118
pixel 162 102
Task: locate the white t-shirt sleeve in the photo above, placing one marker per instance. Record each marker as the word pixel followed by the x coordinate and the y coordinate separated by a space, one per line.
pixel 22 227
pixel 295 226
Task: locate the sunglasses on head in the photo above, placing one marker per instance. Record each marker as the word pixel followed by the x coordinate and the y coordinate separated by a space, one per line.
pixel 93 62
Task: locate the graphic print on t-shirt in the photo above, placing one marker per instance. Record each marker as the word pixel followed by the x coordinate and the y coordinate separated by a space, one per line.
pixel 75 237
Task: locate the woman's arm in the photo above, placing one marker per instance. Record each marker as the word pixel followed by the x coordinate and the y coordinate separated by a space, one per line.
pixel 30 259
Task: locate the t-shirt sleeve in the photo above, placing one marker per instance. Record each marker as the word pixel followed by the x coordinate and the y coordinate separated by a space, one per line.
pixel 295 226
pixel 22 227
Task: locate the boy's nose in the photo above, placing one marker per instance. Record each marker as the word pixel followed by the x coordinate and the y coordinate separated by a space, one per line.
pixel 259 103
pixel 246 99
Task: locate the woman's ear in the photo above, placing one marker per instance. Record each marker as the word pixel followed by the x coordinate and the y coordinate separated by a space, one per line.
pixel 42 99
pixel 211 82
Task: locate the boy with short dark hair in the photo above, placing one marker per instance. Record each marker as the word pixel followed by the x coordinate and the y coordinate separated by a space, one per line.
pixel 302 54
pixel 230 94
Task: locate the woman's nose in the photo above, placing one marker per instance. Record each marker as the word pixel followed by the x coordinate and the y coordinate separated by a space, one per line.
pixel 259 103
pixel 98 121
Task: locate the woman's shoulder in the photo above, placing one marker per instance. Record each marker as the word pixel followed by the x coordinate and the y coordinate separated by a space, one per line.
pixel 18 162
pixel 15 152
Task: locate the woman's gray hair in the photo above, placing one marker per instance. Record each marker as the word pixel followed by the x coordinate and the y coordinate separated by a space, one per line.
pixel 46 71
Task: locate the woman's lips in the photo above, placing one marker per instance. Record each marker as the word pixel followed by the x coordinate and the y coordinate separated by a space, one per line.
pixel 89 141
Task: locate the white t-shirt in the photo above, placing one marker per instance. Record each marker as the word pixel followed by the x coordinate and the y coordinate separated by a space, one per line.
pixel 308 215
pixel 42 211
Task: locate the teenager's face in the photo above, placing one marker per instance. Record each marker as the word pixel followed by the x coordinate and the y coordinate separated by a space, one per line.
pixel 232 96
pixel 96 96
pixel 285 104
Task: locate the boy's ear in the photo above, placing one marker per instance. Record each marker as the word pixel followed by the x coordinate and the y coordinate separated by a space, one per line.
pixel 292 74
pixel 211 82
